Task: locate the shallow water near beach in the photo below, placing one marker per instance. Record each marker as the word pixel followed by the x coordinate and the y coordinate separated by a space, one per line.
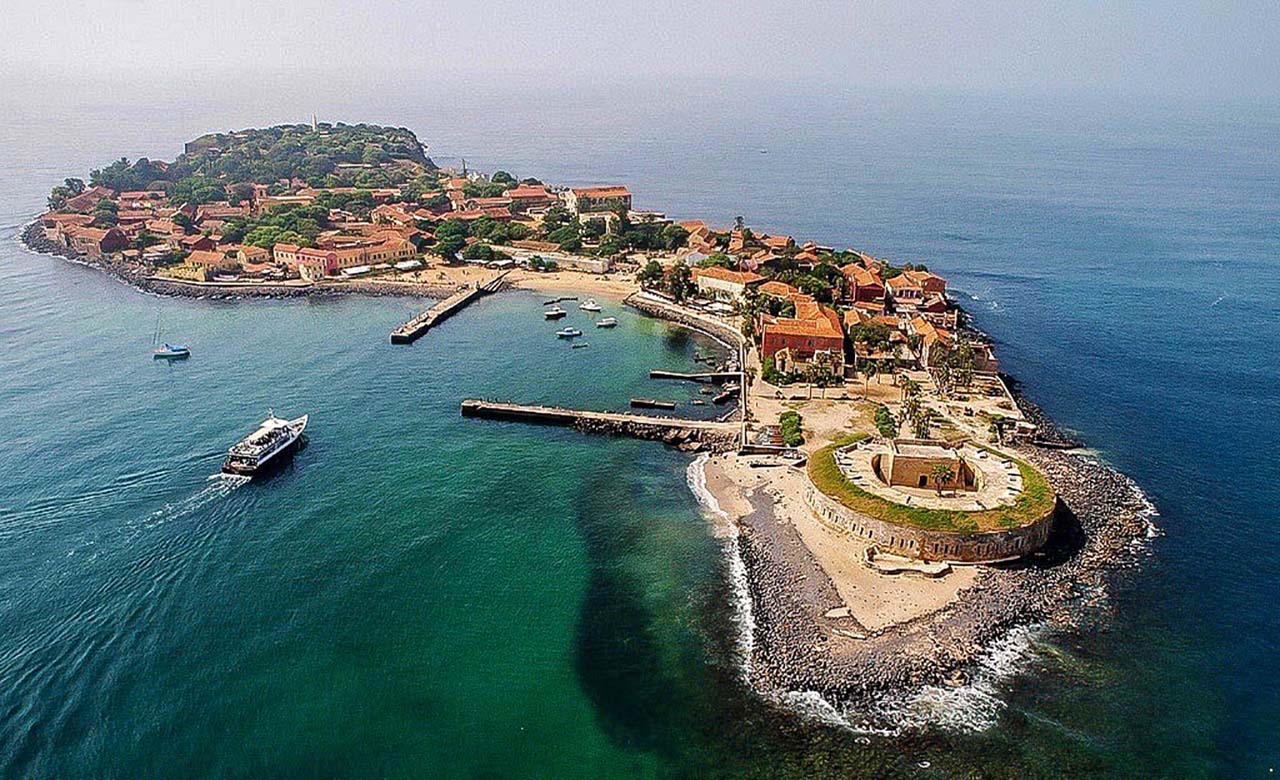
pixel 419 594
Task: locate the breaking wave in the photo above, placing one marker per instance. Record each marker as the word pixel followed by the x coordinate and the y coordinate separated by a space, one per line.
pixel 743 616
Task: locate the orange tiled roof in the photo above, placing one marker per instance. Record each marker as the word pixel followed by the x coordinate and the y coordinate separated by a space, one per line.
pixel 615 191
pixel 725 275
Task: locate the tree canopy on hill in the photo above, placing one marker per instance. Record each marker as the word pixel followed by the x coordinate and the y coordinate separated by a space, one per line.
pixel 334 155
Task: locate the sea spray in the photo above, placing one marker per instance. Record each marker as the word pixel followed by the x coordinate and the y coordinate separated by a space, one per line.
pixel 973 707
pixel 743 617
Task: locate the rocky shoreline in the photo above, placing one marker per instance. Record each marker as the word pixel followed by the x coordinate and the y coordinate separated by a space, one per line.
pixel 802 641
pixel 32 238
pixel 683 439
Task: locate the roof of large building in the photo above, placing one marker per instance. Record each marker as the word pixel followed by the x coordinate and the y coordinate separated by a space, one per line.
pixel 613 191
pixel 725 275
pixel 861 276
pixel 812 320
pixel 206 258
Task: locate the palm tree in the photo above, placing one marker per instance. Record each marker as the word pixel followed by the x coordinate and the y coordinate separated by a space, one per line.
pixel 941 474
pixel 910 389
pixel 920 422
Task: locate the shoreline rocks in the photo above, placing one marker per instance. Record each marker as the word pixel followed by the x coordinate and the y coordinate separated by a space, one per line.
pixel 799 647
pixel 684 439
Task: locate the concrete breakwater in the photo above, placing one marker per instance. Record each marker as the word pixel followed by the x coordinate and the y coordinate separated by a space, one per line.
pixel 687 435
pixel 721 332
pixel 414 328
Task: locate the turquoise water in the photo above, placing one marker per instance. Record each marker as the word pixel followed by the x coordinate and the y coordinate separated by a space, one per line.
pixel 419 594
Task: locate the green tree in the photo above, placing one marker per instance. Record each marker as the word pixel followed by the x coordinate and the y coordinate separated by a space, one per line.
pixel 502 177
pixel 679 281
pixel 449 246
pixel 940 475
pixel 885 423
pixel 650 275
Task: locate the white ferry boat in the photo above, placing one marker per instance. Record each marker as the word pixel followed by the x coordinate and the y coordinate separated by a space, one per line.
pixel 273 437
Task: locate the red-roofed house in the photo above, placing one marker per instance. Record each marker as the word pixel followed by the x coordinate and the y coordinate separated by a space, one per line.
pixel 529 196
pixel 86 200
pixel 589 200
pixel 863 284
pixel 96 242
pixel 813 337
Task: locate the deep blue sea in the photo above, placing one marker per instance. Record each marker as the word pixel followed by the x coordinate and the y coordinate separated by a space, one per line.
pixel 421 595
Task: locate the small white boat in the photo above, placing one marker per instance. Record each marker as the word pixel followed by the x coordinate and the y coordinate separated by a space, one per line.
pixel 607 322
pixel 568 333
pixel 590 305
pixel 171 352
pixel 554 313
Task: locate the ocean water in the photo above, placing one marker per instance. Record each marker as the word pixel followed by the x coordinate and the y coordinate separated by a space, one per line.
pixel 419 594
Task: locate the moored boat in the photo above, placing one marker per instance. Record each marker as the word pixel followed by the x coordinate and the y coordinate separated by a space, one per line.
pixel 568 333
pixel 274 437
pixel 171 352
pixel 607 322
pixel 554 313
pixel 590 305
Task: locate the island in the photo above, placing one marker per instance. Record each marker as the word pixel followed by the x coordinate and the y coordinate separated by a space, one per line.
pixel 893 501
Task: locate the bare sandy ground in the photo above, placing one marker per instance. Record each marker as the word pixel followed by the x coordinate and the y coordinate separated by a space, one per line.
pixel 876 601
pixel 611 286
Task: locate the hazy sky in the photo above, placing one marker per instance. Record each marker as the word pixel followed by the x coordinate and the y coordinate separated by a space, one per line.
pixel 1212 49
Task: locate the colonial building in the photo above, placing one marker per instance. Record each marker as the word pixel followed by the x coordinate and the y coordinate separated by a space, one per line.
pixel 526 197
pixel 317 262
pixel 95 242
pixel 596 200
pixel 721 284
pixel 910 463
pixel 811 338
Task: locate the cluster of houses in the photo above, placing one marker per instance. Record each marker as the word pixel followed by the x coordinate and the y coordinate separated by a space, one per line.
pixel 909 310
pixel 391 236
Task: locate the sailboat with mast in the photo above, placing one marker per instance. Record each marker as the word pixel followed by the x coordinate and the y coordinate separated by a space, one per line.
pixel 165 350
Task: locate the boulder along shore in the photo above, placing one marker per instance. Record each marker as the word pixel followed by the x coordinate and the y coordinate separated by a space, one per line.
pixel 803 641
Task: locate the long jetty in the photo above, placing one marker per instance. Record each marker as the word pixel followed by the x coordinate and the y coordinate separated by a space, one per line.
pixel 697 376
pixel 414 328
pixel 692 434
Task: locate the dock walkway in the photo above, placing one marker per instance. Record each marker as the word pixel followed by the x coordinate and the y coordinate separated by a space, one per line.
pixel 697 376
pixel 692 435
pixel 414 328
pixel 559 415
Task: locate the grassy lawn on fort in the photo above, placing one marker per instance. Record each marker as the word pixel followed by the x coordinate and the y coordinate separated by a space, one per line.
pixel 1036 499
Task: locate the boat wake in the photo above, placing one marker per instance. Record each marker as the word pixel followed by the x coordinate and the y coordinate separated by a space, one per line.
pixel 743 617
pixel 217 486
